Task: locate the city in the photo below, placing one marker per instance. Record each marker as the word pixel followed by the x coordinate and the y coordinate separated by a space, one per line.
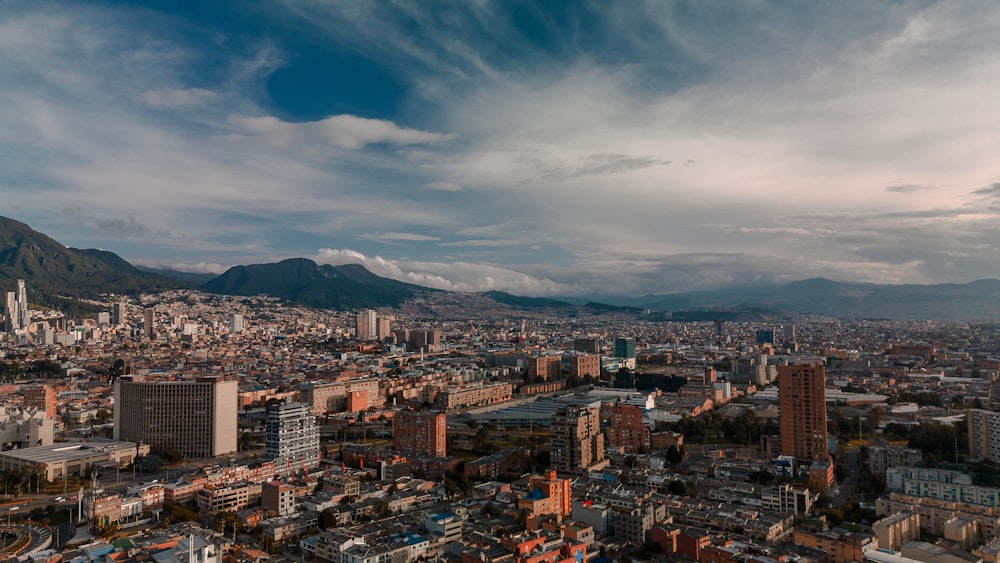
pixel 185 424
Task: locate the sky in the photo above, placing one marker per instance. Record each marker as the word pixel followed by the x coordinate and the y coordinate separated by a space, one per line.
pixel 541 148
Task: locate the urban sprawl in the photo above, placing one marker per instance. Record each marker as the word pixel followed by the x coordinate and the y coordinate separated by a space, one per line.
pixel 195 428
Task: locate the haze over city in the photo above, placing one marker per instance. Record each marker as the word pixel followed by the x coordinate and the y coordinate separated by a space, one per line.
pixel 534 147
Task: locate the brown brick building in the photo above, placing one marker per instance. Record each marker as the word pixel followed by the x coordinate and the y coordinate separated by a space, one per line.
pixel 420 432
pixel 802 404
pixel 627 430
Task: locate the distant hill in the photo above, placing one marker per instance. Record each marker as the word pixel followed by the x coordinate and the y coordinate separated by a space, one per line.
pixel 52 269
pixel 188 277
pixel 974 300
pixel 519 302
pixel 303 281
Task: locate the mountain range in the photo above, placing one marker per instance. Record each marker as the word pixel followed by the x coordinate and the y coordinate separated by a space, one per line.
pixel 58 274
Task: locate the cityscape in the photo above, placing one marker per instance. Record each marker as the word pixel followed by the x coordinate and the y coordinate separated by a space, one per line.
pixel 499 281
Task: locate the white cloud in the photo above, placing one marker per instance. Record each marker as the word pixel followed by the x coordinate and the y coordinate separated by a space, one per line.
pixel 451 276
pixel 342 131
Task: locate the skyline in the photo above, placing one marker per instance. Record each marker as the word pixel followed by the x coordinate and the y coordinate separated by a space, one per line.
pixel 571 149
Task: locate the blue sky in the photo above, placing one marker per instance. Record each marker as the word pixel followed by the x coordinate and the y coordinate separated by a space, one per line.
pixel 542 148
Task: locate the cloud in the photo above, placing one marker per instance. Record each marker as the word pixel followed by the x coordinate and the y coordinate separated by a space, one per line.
pixel 993 190
pixel 451 276
pixel 395 237
pixel 483 242
pixel 443 187
pixel 121 228
pixel 177 98
pixel 906 188
pixel 342 131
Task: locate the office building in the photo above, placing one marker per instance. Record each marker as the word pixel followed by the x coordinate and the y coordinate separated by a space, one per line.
pixel 802 406
pixel 148 324
pixel 118 314
pixel 17 316
pixel 196 418
pixel 291 437
pixel 984 434
pixel 420 432
pixel 576 439
pixel 366 326
pixel 625 351
pixel 103 319
pixel 628 430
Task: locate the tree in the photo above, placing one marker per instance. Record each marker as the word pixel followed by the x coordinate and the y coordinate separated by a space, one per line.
pixel 674 455
pixel 327 519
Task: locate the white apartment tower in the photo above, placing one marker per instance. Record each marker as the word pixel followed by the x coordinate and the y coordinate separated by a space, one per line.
pixel 236 324
pixel 291 437
pixel 16 313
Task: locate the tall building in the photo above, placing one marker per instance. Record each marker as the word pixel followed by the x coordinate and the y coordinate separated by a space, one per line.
pixel 576 439
pixel 625 351
pixel 366 326
pixel 802 404
pixel 236 324
pixel 384 326
pixel 148 324
pixel 17 316
pixel 627 430
pixel 291 437
pixel 420 432
pixel 196 418
pixel 984 434
pixel 118 314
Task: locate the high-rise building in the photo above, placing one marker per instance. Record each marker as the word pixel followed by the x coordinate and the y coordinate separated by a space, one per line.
pixel 625 351
pixel 420 432
pixel 384 326
pixel 984 434
pixel 118 314
pixel 236 324
pixel 291 437
pixel 17 315
pixel 103 319
pixel 196 418
pixel 366 326
pixel 802 404
pixel 627 430
pixel 148 324
pixel 12 316
pixel 22 302
pixel 576 439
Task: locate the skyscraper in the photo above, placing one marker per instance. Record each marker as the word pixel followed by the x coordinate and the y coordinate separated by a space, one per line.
pixel 118 313
pixel 420 432
pixel 625 351
pixel 576 438
pixel 12 317
pixel 291 437
pixel 802 404
pixel 148 324
pixel 22 302
pixel 367 326
pixel 197 418
pixel 236 324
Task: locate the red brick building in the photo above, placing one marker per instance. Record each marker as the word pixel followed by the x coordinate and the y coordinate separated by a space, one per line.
pixel 627 430
pixel 420 432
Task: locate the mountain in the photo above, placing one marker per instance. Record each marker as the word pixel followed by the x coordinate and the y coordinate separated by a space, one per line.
pixel 303 281
pixel 189 277
pixel 54 271
pixel 820 296
pixel 519 302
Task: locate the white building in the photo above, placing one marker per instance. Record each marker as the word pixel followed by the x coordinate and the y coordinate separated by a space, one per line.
pixel 291 437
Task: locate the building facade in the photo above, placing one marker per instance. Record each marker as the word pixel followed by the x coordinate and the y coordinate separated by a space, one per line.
pixel 576 438
pixel 291 437
pixel 802 405
pixel 420 432
pixel 627 430
pixel 196 418
pixel 984 434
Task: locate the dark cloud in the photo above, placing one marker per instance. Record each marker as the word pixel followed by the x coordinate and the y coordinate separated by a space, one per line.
pixel 603 164
pixel 121 228
pixel 992 190
pixel 906 188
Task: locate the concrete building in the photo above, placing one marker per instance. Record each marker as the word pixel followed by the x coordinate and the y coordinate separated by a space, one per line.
pixel 71 458
pixel 984 434
pixel 148 324
pixel 577 440
pixel 196 418
pixel 236 324
pixel 584 365
pixel 118 313
pixel 366 326
pixel 893 531
pixel 291 437
pixel 420 432
pixel 25 428
pixel 544 368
